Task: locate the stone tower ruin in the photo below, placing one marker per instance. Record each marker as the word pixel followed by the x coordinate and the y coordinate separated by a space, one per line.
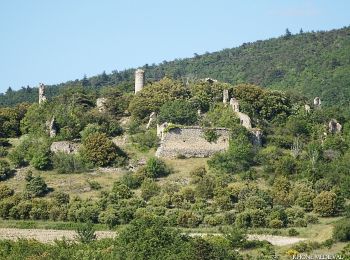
pixel 225 96
pixel 139 80
pixel 42 97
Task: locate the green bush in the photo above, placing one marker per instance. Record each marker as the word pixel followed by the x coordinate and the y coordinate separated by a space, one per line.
pixel 3 151
pixel 101 151
pixel 293 232
pixel 132 180
pixel 5 170
pixel 94 185
pixel 149 189
pixel 341 231
pixel 325 204
pixel 5 192
pixel 121 191
pixel 276 223
pixel 68 163
pixel 156 168
pixel 86 233
pixel 145 140
pixel 188 219
pixel 36 187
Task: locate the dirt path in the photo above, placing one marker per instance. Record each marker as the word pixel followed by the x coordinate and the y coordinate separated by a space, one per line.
pixel 49 235
pixel 46 235
pixel 274 240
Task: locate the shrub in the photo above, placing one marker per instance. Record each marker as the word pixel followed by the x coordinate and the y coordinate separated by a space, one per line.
pixel 86 233
pixel 121 191
pixel 210 135
pixel 341 231
pixel 90 129
pixel 205 187
pixel 325 204
pixel 36 187
pixel 5 170
pixel 60 197
pixel 276 223
pixel 311 218
pixel 293 232
pixel 197 174
pixel 3 151
pixel 67 163
pixel 5 192
pixel 41 160
pixel 156 168
pixel 188 219
pixel 94 185
pixel 101 151
pixel 145 140
pixel 132 180
pixel 149 189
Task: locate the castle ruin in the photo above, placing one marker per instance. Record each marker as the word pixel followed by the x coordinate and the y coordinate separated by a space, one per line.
pixel 139 80
pixel 189 141
pixel 42 97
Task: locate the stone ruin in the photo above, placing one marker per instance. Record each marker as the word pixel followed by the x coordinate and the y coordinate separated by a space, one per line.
pixel 51 127
pixel 307 108
pixel 152 118
pixel 334 126
pixel 225 97
pixel 190 142
pixel 101 104
pixel 244 119
pixel 42 97
pixel 64 147
pixel 139 80
pixel 317 102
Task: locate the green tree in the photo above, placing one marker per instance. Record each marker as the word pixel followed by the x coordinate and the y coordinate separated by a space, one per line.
pixel 99 150
pixel 178 112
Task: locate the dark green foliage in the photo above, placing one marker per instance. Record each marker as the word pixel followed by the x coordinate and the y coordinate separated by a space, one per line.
pixel 156 168
pixel 145 140
pixel 325 204
pixel 67 163
pixel 150 238
pixel 36 187
pixel 220 116
pixel 121 191
pixel 149 189
pixel 94 185
pixel 34 151
pixel 154 95
pixel 178 112
pixel 341 231
pixel 210 135
pixel 5 170
pixel 293 232
pixel 101 151
pixel 86 233
pixel 5 192
pixel 237 158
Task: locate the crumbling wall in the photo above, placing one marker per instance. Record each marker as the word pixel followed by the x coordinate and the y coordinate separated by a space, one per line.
pixel 190 142
pixel 64 147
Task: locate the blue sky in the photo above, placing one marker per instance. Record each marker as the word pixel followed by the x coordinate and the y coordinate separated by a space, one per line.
pixel 55 41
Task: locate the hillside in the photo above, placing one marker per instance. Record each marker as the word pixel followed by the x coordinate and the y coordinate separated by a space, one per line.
pixel 313 63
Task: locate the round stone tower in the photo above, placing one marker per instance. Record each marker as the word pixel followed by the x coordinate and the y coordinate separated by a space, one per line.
pixel 139 80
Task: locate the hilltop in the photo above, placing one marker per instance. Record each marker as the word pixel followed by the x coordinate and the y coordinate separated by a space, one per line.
pixel 311 63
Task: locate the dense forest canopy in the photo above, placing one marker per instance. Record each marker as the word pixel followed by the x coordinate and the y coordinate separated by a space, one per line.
pixel 313 63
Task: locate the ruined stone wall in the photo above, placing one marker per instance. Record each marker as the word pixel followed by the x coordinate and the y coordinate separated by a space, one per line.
pixel 190 142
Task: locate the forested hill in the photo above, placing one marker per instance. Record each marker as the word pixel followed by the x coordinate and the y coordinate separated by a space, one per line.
pixel 315 64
